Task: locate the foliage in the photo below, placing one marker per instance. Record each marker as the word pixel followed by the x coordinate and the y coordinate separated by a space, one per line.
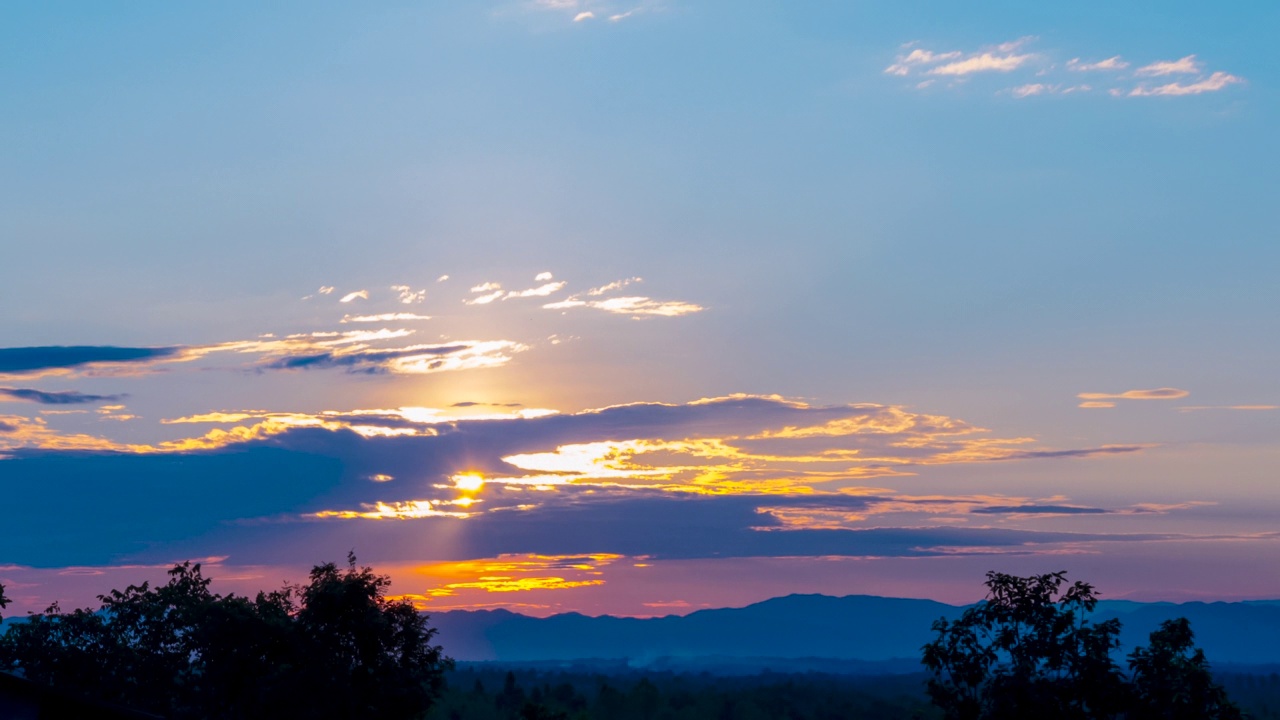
pixel 183 651
pixel 1029 650
pixel 1174 680
pixel 483 692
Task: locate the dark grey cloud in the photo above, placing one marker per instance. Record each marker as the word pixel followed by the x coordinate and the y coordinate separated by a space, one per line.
pixel 1080 453
pixel 362 361
pixel 468 403
pixel 1038 510
pixel 7 427
pixel 33 359
pixel 69 397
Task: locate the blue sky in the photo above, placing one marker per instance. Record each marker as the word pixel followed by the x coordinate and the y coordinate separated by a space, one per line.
pixel 853 266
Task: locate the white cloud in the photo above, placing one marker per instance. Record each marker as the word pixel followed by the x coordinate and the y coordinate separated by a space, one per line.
pixel 542 276
pixel 442 278
pixel 634 306
pixel 384 317
pixel 1213 83
pixel 325 289
pixel 919 57
pixel 484 299
pixel 408 295
pixel 986 62
pixel 540 291
pixel 486 287
pixel 1181 66
pixel 583 16
pixel 1111 63
pixel 621 16
pixel 616 284
pixel 361 294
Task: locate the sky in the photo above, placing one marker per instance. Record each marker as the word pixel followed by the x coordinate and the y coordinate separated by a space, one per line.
pixel 640 307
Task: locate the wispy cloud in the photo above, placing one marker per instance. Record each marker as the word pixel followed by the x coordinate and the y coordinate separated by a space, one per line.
pixel 541 291
pixel 61 359
pixel 1213 83
pixel 1181 66
pixel 1165 393
pixel 1050 77
pixel 54 398
pixel 383 317
pixel 407 295
pixel 633 306
pixel 1114 63
pixel 357 295
pixel 919 57
pixel 986 62
pixel 585 15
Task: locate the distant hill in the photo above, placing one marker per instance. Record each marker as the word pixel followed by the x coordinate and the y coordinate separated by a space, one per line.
pixel 864 633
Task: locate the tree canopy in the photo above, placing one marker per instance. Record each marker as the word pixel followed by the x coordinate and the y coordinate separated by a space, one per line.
pixel 1029 650
pixel 335 647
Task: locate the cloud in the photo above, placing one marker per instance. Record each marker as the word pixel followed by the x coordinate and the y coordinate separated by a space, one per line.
pixel 383 317
pixel 619 17
pixel 55 398
pixel 587 15
pixel 540 291
pixel 42 360
pixel 413 359
pixel 1032 89
pixel 707 478
pixel 615 285
pixel 985 62
pixel 1182 66
pixel 1111 63
pixel 1038 510
pixel 492 291
pixel 442 278
pixel 634 306
pixel 1213 83
pixel 1009 57
pixel 1096 404
pixel 1165 393
pixel 358 294
pixel 407 295
pixel 919 56
pixel 542 277
pixel 325 289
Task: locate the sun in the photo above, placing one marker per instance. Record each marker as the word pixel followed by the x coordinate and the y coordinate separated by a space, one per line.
pixel 468 482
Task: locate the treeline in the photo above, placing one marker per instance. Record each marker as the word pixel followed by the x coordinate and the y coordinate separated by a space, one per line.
pixel 333 648
pixel 478 692
pixel 493 692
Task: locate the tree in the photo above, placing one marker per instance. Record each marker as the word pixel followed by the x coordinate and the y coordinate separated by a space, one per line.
pixel 1028 650
pixel 333 648
pixel 1172 679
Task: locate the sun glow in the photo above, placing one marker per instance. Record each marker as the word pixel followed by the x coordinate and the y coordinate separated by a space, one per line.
pixel 468 482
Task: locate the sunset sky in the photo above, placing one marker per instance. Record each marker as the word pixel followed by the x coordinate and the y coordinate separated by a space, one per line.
pixel 640 307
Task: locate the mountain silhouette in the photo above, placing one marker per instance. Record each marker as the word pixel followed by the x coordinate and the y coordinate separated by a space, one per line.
pixel 856 629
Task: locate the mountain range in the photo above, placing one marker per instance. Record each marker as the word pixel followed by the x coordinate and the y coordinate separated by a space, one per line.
pixel 853 634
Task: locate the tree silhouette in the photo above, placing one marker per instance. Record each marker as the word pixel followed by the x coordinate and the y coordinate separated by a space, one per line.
pixel 335 647
pixel 1172 679
pixel 1029 650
